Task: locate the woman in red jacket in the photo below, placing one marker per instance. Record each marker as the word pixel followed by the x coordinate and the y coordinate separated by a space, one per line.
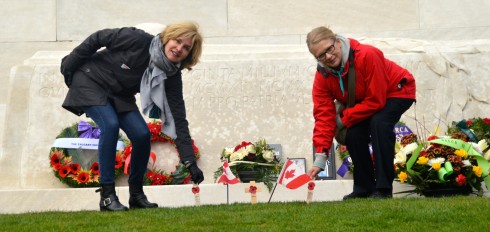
pixel 383 92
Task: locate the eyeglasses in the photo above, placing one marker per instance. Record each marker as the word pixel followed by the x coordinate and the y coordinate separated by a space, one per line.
pixel 330 49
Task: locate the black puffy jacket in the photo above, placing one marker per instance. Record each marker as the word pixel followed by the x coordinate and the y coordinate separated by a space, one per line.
pixel 115 73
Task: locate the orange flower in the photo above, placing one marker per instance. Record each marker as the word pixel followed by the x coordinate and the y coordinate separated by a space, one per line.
pixel 64 171
pixel 74 168
pixel 83 177
pixel 57 167
pixel 95 168
pixel 55 157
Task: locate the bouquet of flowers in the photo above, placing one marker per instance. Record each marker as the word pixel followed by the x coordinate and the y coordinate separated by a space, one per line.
pixel 451 161
pixel 258 158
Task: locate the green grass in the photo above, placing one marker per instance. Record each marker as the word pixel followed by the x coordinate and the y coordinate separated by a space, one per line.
pixel 399 214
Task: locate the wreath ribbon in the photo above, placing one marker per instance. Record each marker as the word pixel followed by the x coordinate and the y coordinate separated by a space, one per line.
pixel 86 130
pixel 82 143
pixel 248 162
pixel 445 171
pixel 128 161
pixel 464 128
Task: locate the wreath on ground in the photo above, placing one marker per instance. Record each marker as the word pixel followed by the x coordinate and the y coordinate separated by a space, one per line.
pixel 65 162
pixel 155 176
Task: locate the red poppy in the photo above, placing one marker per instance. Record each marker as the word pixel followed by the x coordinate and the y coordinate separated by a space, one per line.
pixel 95 168
pixel 461 179
pixel 311 185
pixel 55 159
pixel 57 167
pixel 83 177
pixel 74 168
pixel 150 175
pixel 469 122
pixel 187 179
pixel 252 189
pixel 486 120
pixel 432 137
pixel 64 171
pixel 343 148
pixel 195 189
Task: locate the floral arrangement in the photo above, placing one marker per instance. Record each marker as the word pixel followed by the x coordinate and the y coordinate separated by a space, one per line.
pixel 247 156
pixel 155 176
pixel 451 161
pixel 73 173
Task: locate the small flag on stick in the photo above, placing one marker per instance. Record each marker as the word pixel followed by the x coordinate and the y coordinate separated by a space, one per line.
pixel 292 176
pixel 227 177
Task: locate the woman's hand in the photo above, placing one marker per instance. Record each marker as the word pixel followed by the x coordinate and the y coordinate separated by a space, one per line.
pixel 313 172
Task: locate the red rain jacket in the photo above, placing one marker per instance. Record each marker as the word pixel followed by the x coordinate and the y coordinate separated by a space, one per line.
pixel 377 79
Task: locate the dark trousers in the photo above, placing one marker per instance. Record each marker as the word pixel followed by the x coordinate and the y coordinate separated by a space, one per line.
pixel 375 172
pixel 135 127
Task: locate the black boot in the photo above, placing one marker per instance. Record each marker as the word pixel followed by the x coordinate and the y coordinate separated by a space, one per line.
pixel 137 198
pixel 108 199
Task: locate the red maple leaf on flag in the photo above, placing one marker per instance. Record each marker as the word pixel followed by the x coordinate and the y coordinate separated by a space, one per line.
pixel 289 174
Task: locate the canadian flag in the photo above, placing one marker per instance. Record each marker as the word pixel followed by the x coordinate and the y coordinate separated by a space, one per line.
pixel 292 176
pixel 227 177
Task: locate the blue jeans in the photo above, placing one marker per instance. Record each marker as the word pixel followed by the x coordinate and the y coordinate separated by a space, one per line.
pixel 135 127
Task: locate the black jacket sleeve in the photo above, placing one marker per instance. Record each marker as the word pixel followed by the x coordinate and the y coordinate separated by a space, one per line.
pixel 112 39
pixel 173 88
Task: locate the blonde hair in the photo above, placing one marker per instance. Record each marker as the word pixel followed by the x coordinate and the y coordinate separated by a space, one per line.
pixel 318 34
pixel 186 29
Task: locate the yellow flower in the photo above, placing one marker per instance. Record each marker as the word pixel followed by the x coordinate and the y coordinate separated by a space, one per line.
pixel 461 153
pixel 477 170
pixel 422 160
pixel 436 166
pixel 402 176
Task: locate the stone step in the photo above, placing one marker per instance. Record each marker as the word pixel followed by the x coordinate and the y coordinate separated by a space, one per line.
pixel 81 199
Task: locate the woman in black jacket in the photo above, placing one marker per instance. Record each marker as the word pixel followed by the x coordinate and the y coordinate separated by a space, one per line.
pixel 103 84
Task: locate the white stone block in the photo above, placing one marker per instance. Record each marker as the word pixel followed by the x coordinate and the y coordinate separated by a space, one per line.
pixel 33 20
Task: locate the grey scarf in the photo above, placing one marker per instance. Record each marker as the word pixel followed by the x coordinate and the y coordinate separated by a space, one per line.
pixel 152 90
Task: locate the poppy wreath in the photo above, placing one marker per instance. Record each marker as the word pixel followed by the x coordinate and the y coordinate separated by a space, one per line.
pixel 62 155
pixel 155 176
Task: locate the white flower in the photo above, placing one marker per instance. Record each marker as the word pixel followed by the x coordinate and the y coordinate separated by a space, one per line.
pixel 436 160
pixel 466 163
pixel 268 155
pixel 400 157
pixel 482 145
pixel 227 152
pixel 234 156
pixel 487 155
pixel 250 149
pixel 410 148
pixel 242 153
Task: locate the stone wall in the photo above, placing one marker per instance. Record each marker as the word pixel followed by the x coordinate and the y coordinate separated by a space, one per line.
pixel 255 78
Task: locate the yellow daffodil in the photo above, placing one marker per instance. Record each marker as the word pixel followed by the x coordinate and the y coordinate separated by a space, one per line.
pixel 477 170
pixel 461 153
pixel 403 177
pixel 436 166
pixel 422 160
